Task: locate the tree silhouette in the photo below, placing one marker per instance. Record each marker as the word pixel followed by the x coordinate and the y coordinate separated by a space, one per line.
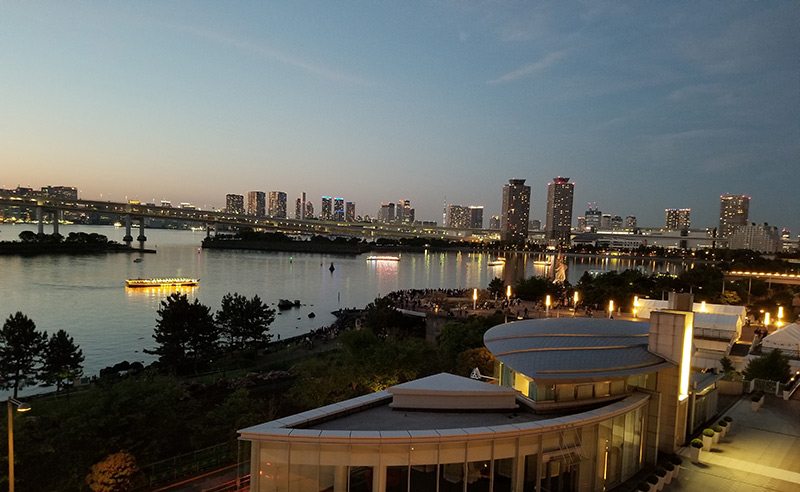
pixel 21 346
pixel 244 322
pixel 63 360
pixel 185 332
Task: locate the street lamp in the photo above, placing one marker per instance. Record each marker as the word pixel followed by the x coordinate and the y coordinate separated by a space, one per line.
pixel 635 305
pixel 610 309
pixel 21 407
pixel 474 298
pixel 547 306
pixel 574 303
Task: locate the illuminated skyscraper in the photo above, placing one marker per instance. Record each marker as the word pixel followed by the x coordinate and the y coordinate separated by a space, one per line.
pixel 558 223
pixel 515 211
pixel 404 214
pixel 733 212
pixel 277 204
pixel 630 222
pixel 326 211
pixel 338 209
pixel 350 211
pixel 676 219
pixel 458 217
pixel 234 204
pixel 386 212
pixel 256 203
pixel 475 217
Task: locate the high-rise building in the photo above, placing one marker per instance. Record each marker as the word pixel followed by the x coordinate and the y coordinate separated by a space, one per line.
pixel 616 222
pixel 309 210
pixel 458 217
pixel 605 222
pixel 676 219
pixel 65 192
pixel 350 211
pixel 594 218
pixel 581 223
pixel 386 213
pixel 277 204
pixel 558 225
pixel 298 208
pixel 404 214
pixel 326 211
pixel 256 203
pixel 494 222
pixel 733 212
pixel 630 222
pixel 234 204
pixel 535 225
pixel 338 209
pixel 476 216
pixel 515 211
pixel 763 238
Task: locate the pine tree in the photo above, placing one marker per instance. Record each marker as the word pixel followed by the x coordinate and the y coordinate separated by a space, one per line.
pixel 21 347
pixel 63 360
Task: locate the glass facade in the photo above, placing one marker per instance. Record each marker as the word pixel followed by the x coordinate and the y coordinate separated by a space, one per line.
pixel 594 456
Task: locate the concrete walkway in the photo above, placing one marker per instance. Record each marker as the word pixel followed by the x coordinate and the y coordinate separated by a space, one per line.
pixel 760 453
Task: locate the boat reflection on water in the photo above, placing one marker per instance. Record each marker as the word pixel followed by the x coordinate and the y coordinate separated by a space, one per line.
pixel 159 291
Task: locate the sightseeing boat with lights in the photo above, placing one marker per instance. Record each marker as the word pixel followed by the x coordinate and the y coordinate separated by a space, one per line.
pixel 383 258
pixel 162 282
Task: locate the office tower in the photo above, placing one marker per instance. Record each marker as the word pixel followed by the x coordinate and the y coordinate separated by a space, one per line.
pixel 605 221
pixel 277 204
pixel 630 222
pixel 64 192
pixel 256 203
pixel 676 219
pixel 386 212
pixel 234 204
pixel 594 218
pixel 581 224
pixel 616 222
pixel 404 214
pixel 309 210
pixel 326 211
pixel 514 214
pixel 733 212
pixel 494 222
pixel 298 208
pixel 350 211
pixel 476 217
pixel 559 210
pixel 535 225
pixel 458 217
pixel 338 209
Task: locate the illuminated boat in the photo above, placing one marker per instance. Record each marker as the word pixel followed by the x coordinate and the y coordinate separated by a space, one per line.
pixel 162 282
pixel 541 263
pixel 498 262
pixel 383 258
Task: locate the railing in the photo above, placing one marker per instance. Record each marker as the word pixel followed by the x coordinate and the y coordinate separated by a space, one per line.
pixel 241 483
pixel 189 464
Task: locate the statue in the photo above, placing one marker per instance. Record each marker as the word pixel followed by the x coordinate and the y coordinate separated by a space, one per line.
pixel 560 269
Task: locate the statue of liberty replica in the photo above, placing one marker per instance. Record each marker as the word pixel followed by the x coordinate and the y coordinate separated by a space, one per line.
pixel 560 269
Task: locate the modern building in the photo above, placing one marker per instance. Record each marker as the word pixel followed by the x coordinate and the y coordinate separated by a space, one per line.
pixel 763 238
pixel 630 222
pixel 386 212
pixel 616 222
pixel 350 211
pixel 277 204
pixel 593 219
pixel 515 211
pixel 63 192
pixel 580 405
pixel 676 219
pixel 494 222
pixel 458 217
pixel 256 203
pixel 298 208
pixel 733 212
pixel 404 213
pixel 338 209
pixel 558 223
pixel 326 211
pixel 234 204
pixel 476 216
pixel 309 210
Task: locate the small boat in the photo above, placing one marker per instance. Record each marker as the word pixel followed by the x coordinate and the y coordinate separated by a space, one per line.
pixel 383 258
pixel 332 268
pixel 162 282
pixel 541 263
pixel 138 260
pixel 498 262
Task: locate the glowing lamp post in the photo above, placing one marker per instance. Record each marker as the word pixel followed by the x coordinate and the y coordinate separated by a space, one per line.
pixel 474 299
pixel 635 305
pixel 21 407
pixel 574 303
pixel 779 323
pixel 610 308
pixel 766 320
pixel 508 295
pixel 547 306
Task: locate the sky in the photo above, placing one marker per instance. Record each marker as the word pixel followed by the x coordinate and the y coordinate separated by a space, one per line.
pixel 644 105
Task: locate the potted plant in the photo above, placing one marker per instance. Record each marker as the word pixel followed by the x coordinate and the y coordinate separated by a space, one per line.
pixel 661 473
pixel 729 420
pixel 724 424
pixel 652 479
pixel 717 433
pixel 696 445
pixel 667 465
pixel 677 461
pixel 757 400
pixel 708 439
pixel 643 487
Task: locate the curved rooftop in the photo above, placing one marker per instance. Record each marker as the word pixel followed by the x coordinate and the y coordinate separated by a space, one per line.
pixel 561 350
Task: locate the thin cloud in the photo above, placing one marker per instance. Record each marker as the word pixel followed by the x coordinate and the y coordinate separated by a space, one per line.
pixel 529 70
pixel 277 56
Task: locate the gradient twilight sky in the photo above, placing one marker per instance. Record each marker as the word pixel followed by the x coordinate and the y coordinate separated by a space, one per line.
pixel 644 105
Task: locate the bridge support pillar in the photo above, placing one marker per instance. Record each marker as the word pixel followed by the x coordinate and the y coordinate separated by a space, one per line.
pixel 128 237
pixel 40 220
pixel 142 238
pixel 56 219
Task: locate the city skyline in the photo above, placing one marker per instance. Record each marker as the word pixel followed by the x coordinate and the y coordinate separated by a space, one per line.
pixel 644 106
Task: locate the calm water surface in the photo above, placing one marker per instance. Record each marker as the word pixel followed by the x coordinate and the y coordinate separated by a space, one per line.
pixel 86 295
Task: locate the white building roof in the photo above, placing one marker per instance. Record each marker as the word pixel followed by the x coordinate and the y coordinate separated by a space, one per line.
pixel 787 338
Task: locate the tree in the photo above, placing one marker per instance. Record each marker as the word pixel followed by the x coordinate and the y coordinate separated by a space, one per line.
pixel 245 322
pixel 773 367
pixel 21 346
pixel 497 287
pixel 185 332
pixel 63 360
pixel 113 474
